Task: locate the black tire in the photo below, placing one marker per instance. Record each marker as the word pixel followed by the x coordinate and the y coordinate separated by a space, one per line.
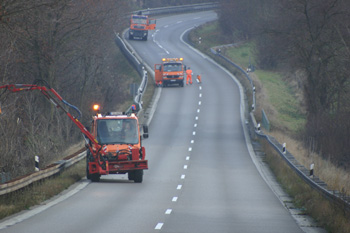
pixel 131 37
pixel 131 175
pixel 138 176
pixel 95 177
pixel 92 177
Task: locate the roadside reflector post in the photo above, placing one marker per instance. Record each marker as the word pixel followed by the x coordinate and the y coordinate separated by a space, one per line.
pixel 36 158
pixel 258 127
pixel 284 148
pixel 312 170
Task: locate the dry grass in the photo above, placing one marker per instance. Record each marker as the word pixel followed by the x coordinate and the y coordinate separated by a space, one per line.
pixel 335 177
pixel 326 213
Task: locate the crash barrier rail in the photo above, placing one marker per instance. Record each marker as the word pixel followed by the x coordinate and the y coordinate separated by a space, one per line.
pixel 59 166
pixel 306 175
pixel 179 9
pixel 130 55
pixel 50 170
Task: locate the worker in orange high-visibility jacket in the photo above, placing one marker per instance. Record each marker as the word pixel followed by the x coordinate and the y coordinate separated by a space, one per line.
pixel 189 75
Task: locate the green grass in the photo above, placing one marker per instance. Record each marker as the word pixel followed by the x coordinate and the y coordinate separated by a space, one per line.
pixel 283 99
pixel 242 54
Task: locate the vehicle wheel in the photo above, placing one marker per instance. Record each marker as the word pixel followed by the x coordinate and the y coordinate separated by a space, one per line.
pixel 131 175
pixel 144 38
pixel 181 84
pixel 92 177
pixel 138 175
pixel 95 177
pixel 131 37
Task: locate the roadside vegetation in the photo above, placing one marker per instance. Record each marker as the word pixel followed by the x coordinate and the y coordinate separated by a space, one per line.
pixel 281 94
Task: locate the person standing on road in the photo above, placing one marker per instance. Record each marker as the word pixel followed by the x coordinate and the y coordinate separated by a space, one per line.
pixel 189 75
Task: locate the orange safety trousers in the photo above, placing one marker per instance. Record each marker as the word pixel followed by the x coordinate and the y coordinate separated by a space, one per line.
pixel 189 76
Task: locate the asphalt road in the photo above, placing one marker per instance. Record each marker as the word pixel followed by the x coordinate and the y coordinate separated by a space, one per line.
pixel 201 177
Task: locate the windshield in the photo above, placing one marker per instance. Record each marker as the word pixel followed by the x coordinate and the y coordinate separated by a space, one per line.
pixel 139 20
pixel 117 131
pixel 168 67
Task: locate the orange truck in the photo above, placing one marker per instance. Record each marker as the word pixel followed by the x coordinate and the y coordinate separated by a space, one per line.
pixel 121 138
pixel 140 25
pixel 170 72
pixel 114 144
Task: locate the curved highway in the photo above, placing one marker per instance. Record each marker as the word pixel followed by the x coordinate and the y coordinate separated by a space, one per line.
pixel 201 177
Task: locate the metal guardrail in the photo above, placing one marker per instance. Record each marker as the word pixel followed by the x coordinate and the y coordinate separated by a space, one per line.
pixel 42 174
pixel 341 199
pixel 139 66
pixel 180 9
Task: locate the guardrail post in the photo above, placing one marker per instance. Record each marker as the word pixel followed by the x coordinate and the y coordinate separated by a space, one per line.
pixel 284 148
pixel 36 158
pixel 312 170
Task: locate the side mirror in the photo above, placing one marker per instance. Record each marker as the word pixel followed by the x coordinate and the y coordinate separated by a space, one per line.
pixel 145 131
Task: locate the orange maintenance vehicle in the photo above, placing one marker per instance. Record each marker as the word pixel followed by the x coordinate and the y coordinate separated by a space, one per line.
pixel 114 144
pixel 170 72
pixel 140 25
pixel 121 140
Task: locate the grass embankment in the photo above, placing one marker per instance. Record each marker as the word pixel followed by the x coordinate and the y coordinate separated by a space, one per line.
pixel 282 101
pixel 40 191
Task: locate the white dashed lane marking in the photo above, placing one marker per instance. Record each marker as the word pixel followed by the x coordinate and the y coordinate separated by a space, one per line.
pixel 159 226
pixel 182 177
pixel 168 211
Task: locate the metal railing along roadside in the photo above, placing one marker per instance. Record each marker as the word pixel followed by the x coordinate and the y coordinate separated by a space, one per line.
pixel 139 66
pixel 50 170
pixel 306 175
pixel 180 9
